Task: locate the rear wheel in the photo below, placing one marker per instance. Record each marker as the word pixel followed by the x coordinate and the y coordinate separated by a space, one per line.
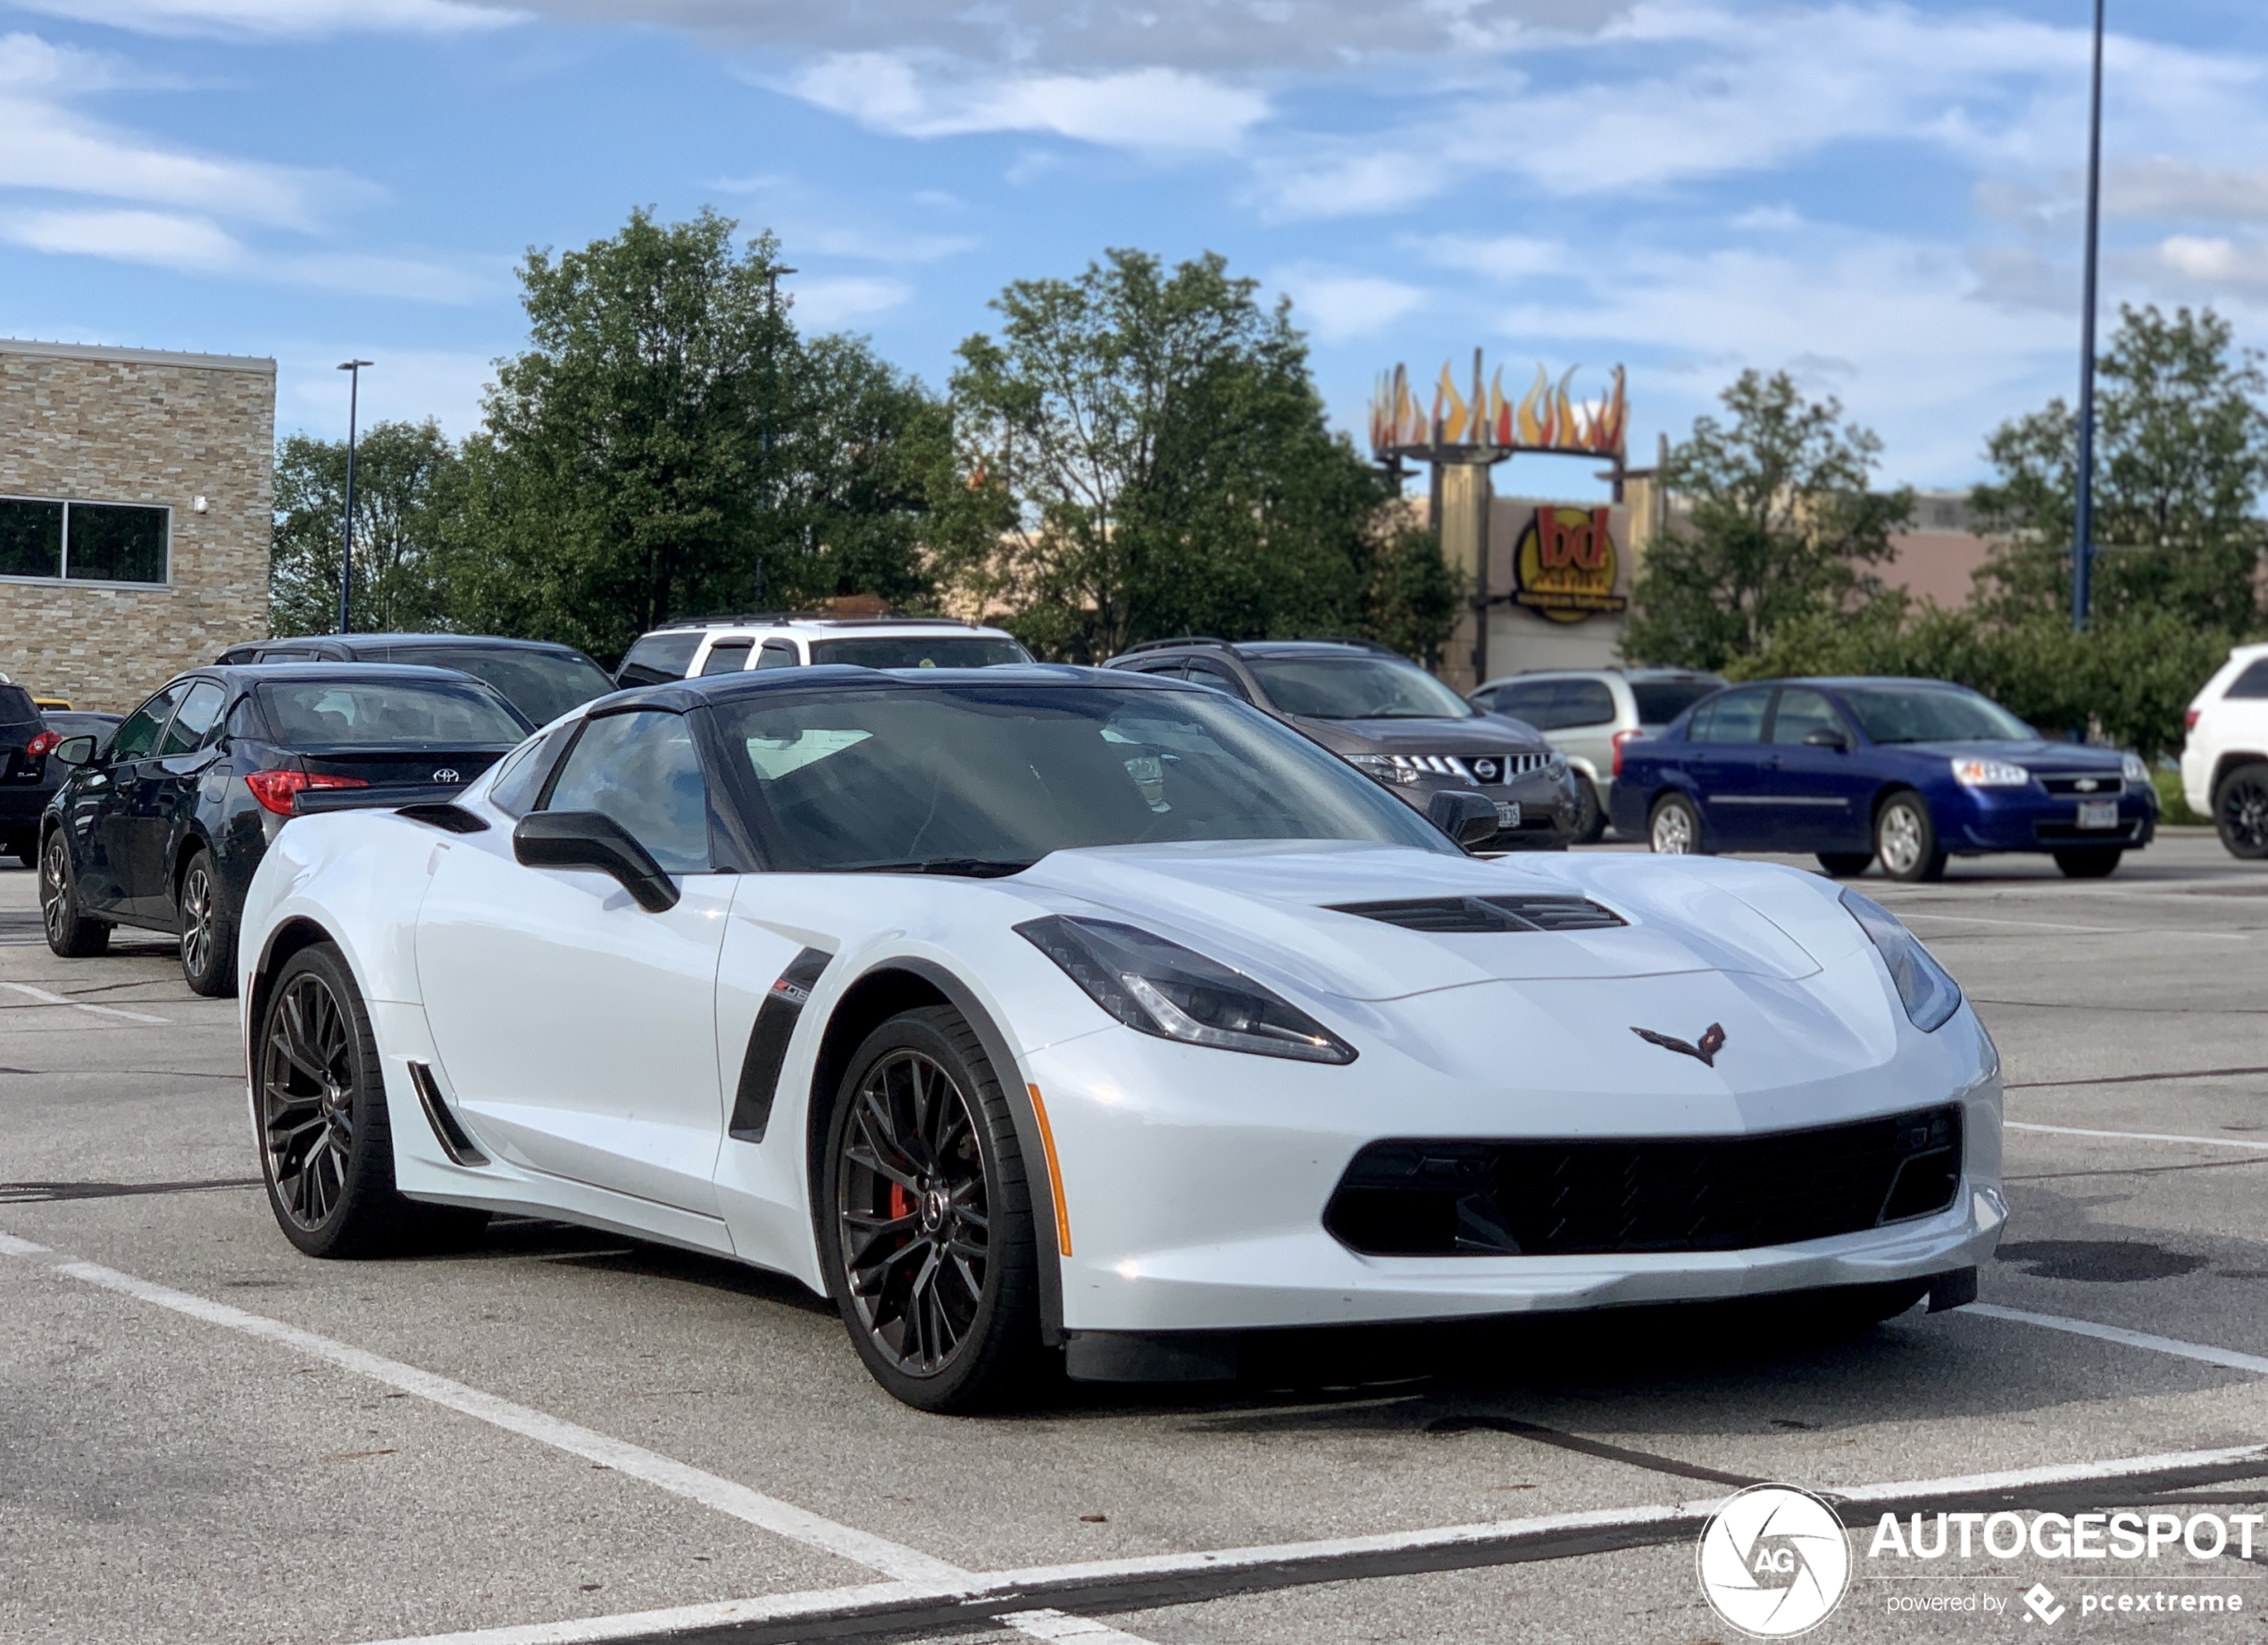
pixel 70 933
pixel 1845 865
pixel 928 1242
pixel 1590 816
pixel 1673 827
pixel 2241 810
pixel 2090 862
pixel 208 930
pixel 25 849
pixel 1906 838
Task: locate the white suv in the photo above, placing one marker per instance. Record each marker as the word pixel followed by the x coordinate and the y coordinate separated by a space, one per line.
pixel 2224 763
pixel 727 645
pixel 1588 714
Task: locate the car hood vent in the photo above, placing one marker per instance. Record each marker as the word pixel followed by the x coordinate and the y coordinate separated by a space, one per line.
pixel 1461 914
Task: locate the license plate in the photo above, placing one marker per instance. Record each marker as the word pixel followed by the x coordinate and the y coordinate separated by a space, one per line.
pixel 1507 814
pixel 2099 814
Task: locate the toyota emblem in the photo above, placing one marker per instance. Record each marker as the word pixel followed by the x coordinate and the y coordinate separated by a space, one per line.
pixel 448 774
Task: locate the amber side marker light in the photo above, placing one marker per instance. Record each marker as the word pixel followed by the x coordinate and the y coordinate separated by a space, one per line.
pixel 1055 1173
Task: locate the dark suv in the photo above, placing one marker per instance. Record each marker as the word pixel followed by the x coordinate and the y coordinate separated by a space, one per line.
pixel 1390 720
pixel 162 826
pixel 541 680
pixel 25 740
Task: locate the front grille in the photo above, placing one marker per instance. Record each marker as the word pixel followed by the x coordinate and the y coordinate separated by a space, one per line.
pixel 2065 785
pixel 1457 914
pixel 1485 768
pixel 1602 1197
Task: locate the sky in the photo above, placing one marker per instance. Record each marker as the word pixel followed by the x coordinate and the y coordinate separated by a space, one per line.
pixel 1882 199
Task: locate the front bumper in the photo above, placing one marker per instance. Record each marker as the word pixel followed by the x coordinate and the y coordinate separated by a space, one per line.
pixel 2025 819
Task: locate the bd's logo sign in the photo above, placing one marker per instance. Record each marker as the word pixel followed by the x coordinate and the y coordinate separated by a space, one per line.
pixel 1565 565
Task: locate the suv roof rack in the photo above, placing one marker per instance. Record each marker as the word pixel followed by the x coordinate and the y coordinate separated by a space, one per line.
pixel 1338 639
pixel 824 618
pixel 1178 639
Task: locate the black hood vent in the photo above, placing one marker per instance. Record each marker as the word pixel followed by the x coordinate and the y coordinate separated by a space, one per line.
pixel 1462 914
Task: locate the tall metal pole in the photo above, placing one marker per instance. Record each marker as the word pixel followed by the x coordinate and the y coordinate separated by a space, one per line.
pixel 2083 510
pixel 354 370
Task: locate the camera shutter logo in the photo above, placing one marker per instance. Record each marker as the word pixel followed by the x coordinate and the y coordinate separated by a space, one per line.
pixel 1773 1561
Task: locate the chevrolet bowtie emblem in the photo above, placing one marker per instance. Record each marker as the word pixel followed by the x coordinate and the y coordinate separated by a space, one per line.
pixel 1704 1053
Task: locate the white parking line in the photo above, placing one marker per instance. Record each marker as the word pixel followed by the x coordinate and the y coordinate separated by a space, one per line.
pixel 917 1571
pixel 2136 1136
pixel 46 999
pixel 2224 1356
pixel 10 1246
pixel 2095 930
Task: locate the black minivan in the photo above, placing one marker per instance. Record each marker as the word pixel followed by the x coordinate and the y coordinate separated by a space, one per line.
pixel 163 826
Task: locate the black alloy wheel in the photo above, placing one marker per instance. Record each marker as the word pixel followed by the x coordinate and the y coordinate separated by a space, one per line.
pixel 2240 811
pixel 2090 862
pixel 208 930
pixel 70 933
pixel 929 1245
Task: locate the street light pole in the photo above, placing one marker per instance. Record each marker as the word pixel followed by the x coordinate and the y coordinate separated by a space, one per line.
pixel 354 370
pixel 2083 509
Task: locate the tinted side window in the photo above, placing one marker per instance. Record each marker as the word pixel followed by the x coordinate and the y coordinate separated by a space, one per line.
pixel 778 653
pixel 139 734
pixel 1585 701
pixel 642 769
pixel 727 657
pixel 516 786
pixel 16 706
pixel 1801 713
pixel 1738 716
pixel 197 722
pixel 1532 702
pixel 1220 679
pixel 2252 682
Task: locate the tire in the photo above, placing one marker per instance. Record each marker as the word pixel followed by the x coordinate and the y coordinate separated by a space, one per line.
pixel 1906 838
pixel 208 929
pixel 1673 826
pixel 1845 865
pixel 2090 862
pixel 2240 811
pixel 325 1149
pixel 70 933
pixel 921 1134
pixel 1590 816
pixel 25 849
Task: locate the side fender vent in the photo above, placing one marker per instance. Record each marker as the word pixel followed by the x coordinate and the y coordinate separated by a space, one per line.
pixel 1463 916
pixel 776 1020
pixel 447 1131
pixel 455 819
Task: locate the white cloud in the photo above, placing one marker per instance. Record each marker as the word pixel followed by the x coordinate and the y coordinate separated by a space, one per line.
pixel 165 239
pixel 1505 256
pixel 370 275
pixel 822 304
pixel 871 246
pixel 296 19
pixel 2229 265
pixel 400 385
pixel 1337 305
pixel 2165 188
pixel 1151 108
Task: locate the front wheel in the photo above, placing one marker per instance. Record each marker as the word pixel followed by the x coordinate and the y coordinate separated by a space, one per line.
pixel 1590 816
pixel 208 930
pixel 70 933
pixel 1845 865
pixel 1674 827
pixel 1906 838
pixel 928 1241
pixel 2241 810
pixel 2090 862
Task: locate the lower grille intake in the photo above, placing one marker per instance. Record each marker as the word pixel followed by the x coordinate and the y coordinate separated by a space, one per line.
pixel 1597 1196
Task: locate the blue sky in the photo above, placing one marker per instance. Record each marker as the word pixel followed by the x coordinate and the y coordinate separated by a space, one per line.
pixel 1881 198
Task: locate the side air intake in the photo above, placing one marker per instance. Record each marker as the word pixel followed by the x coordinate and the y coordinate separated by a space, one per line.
pixel 1464 915
pixel 447 1131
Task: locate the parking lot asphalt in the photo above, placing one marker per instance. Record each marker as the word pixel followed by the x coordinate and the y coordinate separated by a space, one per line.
pixel 562 1435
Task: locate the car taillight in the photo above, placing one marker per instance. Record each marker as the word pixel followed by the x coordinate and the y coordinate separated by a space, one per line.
pixel 1620 739
pixel 275 789
pixel 2189 720
pixel 41 745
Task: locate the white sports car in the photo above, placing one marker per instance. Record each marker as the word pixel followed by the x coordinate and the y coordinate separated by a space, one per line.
pixel 1047 1017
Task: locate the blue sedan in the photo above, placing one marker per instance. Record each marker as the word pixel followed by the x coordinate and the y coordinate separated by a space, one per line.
pixel 1905 772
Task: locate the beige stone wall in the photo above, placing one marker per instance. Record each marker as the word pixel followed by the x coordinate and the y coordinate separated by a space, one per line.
pixel 127 425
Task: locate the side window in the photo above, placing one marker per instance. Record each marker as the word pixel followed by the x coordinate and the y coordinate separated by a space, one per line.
pixel 1801 713
pixel 1736 717
pixel 1532 702
pixel 138 735
pixel 727 657
pixel 197 722
pixel 778 653
pixel 1585 701
pixel 642 769
pixel 287 654
pixel 516 786
pixel 2252 682
pixel 1220 679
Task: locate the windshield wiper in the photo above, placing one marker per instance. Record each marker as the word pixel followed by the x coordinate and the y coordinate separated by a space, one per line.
pixel 972 867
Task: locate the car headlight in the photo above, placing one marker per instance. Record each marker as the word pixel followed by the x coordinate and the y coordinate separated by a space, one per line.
pixel 1929 995
pixel 1164 988
pixel 1384 767
pixel 1989 774
pixel 2134 768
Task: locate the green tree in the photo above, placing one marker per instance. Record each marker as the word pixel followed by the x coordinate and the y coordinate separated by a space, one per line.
pixel 401 563
pixel 1147 454
pixel 2181 460
pixel 1779 524
pixel 1413 599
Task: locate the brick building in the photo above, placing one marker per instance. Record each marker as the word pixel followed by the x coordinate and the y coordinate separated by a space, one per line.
pixel 135 515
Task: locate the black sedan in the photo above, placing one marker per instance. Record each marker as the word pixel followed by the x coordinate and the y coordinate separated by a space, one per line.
pixel 540 678
pixel 162 826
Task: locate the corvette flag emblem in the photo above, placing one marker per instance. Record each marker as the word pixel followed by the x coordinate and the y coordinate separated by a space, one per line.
pixel 1712 1041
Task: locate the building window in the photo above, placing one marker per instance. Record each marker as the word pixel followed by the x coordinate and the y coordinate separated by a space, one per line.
pixel 82 542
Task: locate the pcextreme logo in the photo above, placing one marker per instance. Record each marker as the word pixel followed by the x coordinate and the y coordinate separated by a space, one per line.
pixel 1773 1561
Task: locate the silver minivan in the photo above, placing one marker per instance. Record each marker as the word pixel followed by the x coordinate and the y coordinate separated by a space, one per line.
pixel 1588 713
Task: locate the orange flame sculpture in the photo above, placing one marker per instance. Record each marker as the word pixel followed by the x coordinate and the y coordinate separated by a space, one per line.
pixel 1545 419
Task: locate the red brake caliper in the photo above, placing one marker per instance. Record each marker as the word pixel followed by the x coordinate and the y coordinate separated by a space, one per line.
pixel 901 1202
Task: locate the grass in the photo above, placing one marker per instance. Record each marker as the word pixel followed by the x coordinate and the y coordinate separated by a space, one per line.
pixel 2171 806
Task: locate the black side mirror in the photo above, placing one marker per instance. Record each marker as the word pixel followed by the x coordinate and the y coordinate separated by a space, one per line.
pixel 1467 818
pixel 595 840
pixel 73 751
pixel 1828 737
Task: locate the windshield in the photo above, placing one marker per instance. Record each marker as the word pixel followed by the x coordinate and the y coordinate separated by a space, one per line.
pixel 1363 688
pixel 364 714
pixel 977 779
pixel 934 651
pixel 542 685
pixel 1933 714
pixel 1660 701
